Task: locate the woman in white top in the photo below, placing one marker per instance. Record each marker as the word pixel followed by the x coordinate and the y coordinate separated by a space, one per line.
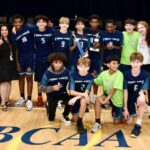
pixel 144 48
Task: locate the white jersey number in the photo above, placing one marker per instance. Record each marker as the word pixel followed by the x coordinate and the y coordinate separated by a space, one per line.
pixel 63 44
pixel 24 40
pixel 43 40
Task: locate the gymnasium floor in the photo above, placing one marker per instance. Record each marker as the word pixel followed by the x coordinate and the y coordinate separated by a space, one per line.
pixel 23 130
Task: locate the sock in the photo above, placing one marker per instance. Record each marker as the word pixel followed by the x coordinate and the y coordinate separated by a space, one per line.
pixel 39 94
pixel 95 96
pixel 79 120
pixel 139 121
pixel 22 95
pixel 98 121
pixel 29 97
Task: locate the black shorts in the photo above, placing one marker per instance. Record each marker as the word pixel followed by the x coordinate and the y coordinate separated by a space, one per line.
pixel 117 112
pixel 131 106
pixel 76 107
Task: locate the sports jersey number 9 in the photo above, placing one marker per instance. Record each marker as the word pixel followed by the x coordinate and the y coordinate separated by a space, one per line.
pixel 63 44
pixel 24 39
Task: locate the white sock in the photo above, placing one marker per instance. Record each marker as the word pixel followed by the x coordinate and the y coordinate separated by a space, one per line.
pixel 95 96
pixel 139 121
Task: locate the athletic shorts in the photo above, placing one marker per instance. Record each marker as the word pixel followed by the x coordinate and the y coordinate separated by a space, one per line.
pixel 26 65
pixel 117 112
pixel 40 68
pixel 131 106
pixel 75 108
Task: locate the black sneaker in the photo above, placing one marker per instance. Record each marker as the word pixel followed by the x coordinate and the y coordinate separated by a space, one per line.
pixel 136 131
pixel 80 128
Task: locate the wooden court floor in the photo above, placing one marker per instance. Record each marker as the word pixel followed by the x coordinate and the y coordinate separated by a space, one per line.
pixel 23 130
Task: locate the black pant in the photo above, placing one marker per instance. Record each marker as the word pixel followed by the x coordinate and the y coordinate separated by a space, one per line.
pixel 52 105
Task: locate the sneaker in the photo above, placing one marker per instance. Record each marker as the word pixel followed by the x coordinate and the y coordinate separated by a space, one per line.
pixel 136 131
pixel 147 110
pixel 40 101
pixel 66 121
pixel 60 105
pixel 105 105
pixel 29 105
pixel 20 102
pixel 96 127
pixel 80 128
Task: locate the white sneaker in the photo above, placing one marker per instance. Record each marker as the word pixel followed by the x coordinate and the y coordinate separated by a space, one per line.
pixel 29 105
pixel 96 127
pixel 60 105
pixel 20 102
pixel 147 110
pixel 66 120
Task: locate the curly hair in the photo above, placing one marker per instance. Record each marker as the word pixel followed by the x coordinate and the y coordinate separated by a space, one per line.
pixel 57 56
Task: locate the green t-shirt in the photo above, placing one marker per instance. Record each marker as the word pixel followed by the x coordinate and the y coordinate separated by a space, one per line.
pixel 108 82
pixel 130 43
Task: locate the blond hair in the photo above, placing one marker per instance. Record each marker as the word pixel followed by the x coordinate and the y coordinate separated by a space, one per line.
pixel 63 20
pixel 144 23
pixel 84 61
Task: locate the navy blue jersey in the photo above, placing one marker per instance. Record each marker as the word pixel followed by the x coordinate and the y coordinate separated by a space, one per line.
pixel 80 83
pixel 24 41
pixel 115 39
pixel 62 42
pixel 51 78
pixel 93 36
pixel 43 43
pixel 85 44
pixel 135 84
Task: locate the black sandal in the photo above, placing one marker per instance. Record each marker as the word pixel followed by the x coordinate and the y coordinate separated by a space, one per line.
pixel 4 108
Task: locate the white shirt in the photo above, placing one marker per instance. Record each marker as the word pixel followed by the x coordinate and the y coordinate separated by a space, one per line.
pixel 144 49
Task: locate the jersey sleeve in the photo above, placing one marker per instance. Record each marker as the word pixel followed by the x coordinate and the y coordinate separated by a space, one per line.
pixel 146 84
pixel 89 85
pixel 71 43
pixel 44 85
pixel 71 83
pixel 88 43
pixel 32 27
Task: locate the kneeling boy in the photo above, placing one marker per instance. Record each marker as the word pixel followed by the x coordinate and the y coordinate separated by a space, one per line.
pixel 136 81
pixel 79 87
pixel 54 83
pixel 112 82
